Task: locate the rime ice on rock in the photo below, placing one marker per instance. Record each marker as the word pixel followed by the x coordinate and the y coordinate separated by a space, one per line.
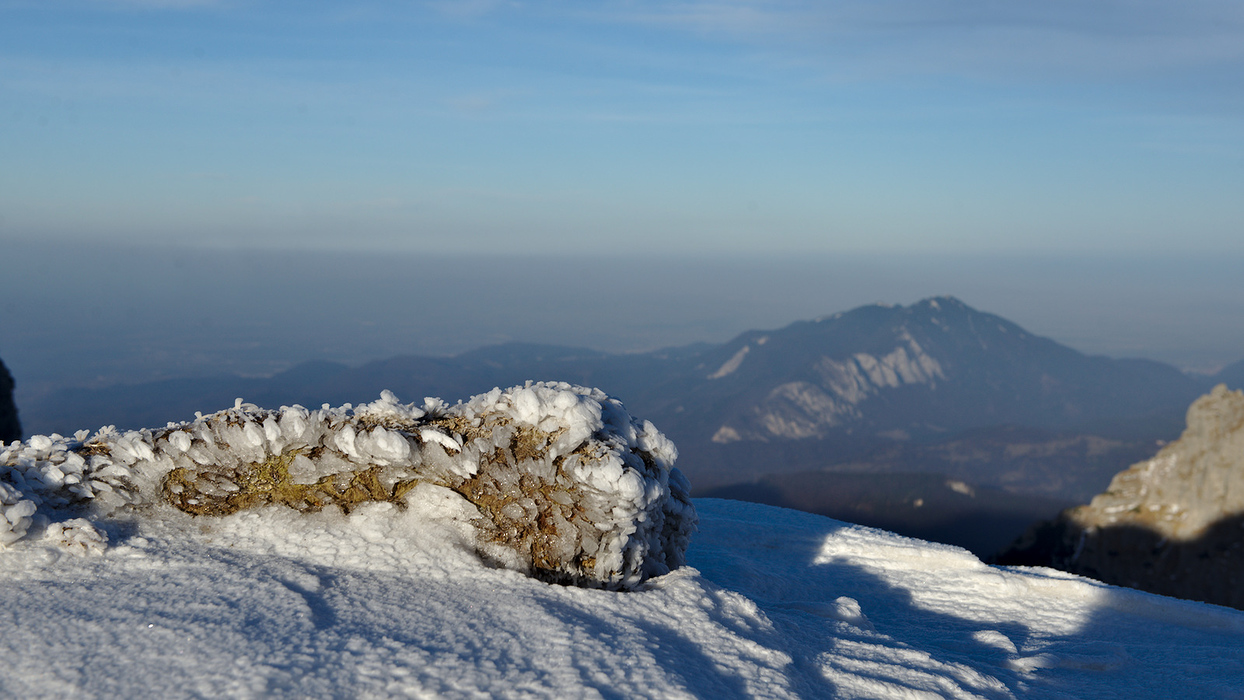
pixel 78 535
pixel 15 512
pixel 564 483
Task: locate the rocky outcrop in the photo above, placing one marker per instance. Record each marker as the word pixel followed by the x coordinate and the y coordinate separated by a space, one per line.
pixel 554 480
pixel 1173 524
pixel 10 428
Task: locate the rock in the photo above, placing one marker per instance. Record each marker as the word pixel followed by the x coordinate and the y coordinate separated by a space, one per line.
pixel 10 427
pixel 1173 524
pixel 558 481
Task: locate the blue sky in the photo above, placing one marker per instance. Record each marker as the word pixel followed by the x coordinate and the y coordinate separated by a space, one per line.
pixel 765 126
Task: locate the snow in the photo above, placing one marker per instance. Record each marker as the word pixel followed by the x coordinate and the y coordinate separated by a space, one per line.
pixel 390 602
pixel 110 588
pixel 802 409
pixel 732 364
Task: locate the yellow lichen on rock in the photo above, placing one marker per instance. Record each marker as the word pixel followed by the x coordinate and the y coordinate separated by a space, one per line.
pixel 560 476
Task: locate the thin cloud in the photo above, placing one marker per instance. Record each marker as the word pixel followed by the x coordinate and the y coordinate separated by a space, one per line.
pixel 921 36
pixel 470 9
pixel 160 4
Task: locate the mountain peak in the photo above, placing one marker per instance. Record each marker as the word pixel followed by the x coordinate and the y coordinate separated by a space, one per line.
pixel 940 302
pixel 920 369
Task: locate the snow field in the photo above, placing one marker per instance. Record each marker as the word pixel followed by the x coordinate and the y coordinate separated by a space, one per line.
pixel 393 602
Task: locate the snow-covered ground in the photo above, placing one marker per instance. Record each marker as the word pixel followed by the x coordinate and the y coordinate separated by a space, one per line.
pixel 387 602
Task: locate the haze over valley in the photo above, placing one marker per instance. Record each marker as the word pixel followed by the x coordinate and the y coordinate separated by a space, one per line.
pixel 936 420
pixel 85 313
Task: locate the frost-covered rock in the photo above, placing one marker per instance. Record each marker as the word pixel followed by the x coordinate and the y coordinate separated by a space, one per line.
pixel 558 480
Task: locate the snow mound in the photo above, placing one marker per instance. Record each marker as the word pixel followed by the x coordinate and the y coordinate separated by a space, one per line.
pixel 554 480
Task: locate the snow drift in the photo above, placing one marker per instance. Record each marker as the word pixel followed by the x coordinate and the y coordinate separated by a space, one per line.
pixel 554 480
pixel 386 603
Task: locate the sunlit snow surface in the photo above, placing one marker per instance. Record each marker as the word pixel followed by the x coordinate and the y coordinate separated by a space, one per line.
pixel 387 603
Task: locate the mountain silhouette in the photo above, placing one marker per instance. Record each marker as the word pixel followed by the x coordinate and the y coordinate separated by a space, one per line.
pixel 921 371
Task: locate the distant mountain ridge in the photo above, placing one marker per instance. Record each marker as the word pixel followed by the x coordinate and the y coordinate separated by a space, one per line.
pixel 932 368
pixel 805 396
pixel 1232 375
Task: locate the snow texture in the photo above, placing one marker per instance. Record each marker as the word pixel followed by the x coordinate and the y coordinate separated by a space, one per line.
pixel 553 480
pixel 393 602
